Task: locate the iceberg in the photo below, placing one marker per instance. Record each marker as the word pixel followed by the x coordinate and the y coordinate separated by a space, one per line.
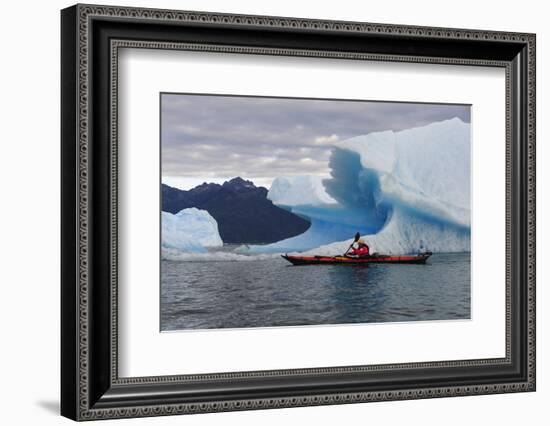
pixel 404 191
pixel 307 197
pixel 299 190
pixel 426 169
pixel 214 256
pixel 405 234
pixel 190 230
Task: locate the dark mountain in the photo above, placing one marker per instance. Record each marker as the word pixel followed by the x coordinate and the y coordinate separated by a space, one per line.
pixel 242 210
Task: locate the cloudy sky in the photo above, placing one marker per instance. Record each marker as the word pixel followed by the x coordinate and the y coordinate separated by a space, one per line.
pixel 209 138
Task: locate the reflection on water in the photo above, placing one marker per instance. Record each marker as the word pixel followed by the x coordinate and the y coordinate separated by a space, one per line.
pixel 271 292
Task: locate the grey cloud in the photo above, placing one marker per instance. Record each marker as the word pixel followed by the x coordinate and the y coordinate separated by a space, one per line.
pixel 267 137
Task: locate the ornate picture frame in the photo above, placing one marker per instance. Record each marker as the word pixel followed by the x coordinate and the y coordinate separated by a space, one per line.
pixel 91 37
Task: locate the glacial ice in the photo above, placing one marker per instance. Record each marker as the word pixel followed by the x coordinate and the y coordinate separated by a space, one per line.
pixel 426 168
pixel 214 256
pixel 299 190
pixel 406 234
pixel 405 192
pixel 189 230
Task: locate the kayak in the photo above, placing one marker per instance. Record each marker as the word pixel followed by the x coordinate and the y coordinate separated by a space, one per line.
pixel 349 260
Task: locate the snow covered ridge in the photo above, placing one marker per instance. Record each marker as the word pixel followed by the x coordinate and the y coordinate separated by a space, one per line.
pixel 190 230
pixel 405 191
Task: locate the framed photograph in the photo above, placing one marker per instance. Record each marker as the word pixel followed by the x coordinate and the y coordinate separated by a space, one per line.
pixel 263 212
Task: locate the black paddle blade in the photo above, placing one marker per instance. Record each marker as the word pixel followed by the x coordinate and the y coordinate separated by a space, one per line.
pixel 357 236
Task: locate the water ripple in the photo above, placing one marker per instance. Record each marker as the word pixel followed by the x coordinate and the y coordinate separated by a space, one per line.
pixel 269 293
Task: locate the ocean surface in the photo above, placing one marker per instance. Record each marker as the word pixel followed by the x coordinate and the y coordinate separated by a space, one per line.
pixel 266 291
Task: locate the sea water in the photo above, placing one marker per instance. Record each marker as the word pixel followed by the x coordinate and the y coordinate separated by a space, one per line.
pixel 269 292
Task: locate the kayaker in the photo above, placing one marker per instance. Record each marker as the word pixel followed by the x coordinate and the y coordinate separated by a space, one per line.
pixel 360 249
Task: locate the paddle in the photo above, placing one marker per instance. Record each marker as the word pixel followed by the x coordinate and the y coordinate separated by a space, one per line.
pixel 357 236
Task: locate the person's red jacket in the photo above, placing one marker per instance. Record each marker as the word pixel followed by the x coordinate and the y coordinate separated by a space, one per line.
pixel 361 251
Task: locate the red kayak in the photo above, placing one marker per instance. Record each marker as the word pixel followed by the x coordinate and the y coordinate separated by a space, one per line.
pixel 349 260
